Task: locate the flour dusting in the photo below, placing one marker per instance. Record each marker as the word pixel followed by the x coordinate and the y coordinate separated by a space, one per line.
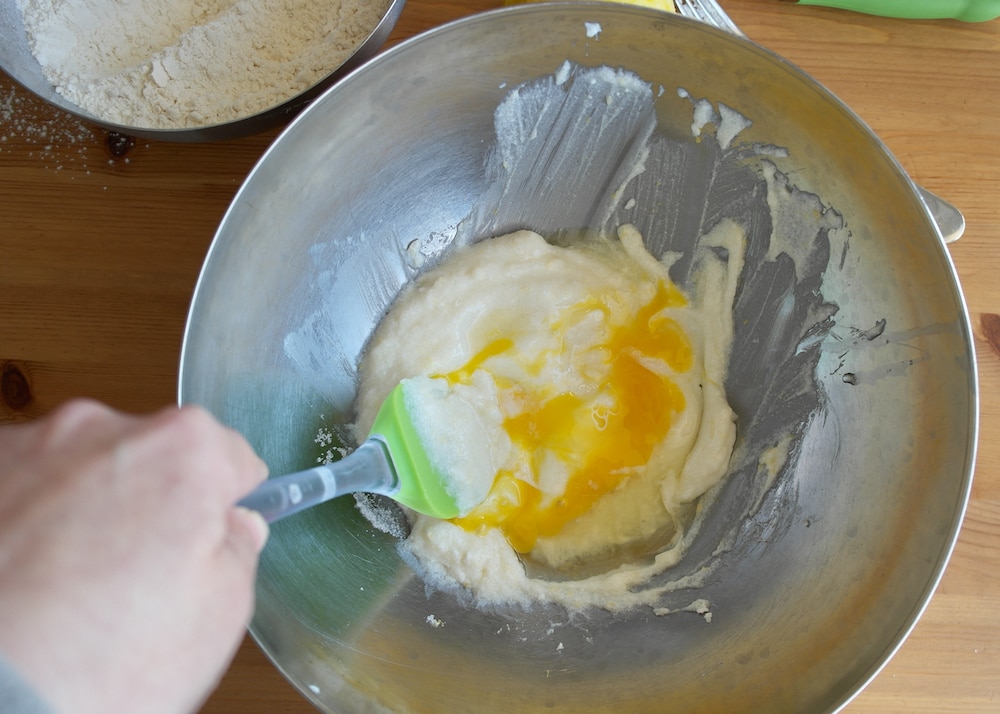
pixel 57 139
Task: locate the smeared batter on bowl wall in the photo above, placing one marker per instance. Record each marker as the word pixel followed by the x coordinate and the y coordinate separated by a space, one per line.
pixel 581 148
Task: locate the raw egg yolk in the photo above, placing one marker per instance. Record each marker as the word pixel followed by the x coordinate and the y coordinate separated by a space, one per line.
pixel 600 442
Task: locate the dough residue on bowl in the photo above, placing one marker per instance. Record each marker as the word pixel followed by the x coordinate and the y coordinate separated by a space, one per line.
pixel 581 147
pixel 195 62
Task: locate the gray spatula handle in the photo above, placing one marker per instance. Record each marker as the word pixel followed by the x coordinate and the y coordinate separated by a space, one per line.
pixel 365 469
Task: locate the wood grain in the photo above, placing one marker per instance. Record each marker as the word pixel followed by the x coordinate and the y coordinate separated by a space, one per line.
pixel 99 253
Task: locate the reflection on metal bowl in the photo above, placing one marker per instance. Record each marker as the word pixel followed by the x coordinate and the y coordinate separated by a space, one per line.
pixel 851 337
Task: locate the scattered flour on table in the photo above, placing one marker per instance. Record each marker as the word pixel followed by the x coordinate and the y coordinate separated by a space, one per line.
pixel 191 62
pixel 56 138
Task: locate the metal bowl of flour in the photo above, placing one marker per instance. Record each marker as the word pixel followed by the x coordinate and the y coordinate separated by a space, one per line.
pixel 852 371
pixel 234 71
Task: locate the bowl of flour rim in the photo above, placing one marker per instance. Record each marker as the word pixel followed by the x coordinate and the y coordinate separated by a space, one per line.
pixel 188 71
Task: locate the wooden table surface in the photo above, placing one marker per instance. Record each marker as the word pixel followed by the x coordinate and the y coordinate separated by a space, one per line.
pixel 100 250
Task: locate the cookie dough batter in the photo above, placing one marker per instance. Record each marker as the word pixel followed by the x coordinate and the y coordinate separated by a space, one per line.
pixel 600 385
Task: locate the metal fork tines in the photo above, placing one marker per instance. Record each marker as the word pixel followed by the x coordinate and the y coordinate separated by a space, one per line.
pixel 708 11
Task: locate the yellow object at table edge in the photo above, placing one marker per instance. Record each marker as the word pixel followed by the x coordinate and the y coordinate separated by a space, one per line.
pixel 666 5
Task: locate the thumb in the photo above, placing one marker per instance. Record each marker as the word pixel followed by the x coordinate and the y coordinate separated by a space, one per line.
pixel 248 531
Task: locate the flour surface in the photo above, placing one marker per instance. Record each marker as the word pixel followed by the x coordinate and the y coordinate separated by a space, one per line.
pixel 191 62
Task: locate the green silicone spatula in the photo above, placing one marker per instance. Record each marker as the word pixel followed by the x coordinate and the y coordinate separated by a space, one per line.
pixel 967 10
pixel 393 461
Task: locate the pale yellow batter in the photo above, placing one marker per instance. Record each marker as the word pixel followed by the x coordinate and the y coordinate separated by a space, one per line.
pixel 599 385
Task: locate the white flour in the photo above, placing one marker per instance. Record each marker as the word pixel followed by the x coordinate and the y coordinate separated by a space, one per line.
pixel 187 63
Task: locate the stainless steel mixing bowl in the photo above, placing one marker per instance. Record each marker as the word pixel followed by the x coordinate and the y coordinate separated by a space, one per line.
pixel 855 340
pixel 17 60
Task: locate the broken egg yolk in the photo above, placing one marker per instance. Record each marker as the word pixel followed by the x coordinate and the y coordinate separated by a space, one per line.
pixel 599 438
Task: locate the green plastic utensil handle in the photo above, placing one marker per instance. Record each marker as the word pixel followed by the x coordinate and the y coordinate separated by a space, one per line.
pixel 967 10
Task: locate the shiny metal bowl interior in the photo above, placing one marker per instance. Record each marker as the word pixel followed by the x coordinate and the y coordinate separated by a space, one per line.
pixel 821 586
pixel 17 60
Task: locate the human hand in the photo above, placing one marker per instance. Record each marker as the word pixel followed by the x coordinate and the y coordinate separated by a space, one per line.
pixel 126 572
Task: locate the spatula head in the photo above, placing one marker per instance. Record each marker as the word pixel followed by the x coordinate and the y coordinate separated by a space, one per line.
pixel 421 486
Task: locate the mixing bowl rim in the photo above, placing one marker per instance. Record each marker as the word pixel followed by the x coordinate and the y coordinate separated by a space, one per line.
pixel 963 318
